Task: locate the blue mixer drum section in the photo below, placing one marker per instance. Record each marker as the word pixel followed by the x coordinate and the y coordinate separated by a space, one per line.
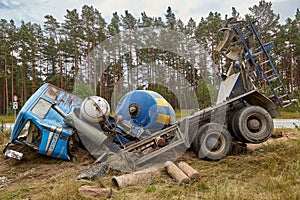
pixel 146 109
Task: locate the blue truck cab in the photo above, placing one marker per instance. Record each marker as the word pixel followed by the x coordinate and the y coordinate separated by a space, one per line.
pixel 40 123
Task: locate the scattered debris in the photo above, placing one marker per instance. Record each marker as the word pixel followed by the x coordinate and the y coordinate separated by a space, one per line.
pixel 13 154
pixel 4 181
pixel 93 191
pixel 97 170
pixel 135 178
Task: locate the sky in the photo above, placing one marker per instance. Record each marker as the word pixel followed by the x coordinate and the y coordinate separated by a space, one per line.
pixel 35 10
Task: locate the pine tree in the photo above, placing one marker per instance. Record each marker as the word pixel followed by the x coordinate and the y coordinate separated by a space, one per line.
pixel 12 34
pixel 145 21
pixel 72 43
pixel 4 63
pixel 206 34
pixel 268 20
pixel 52 50
pixel 296 42
pixel 171 19
pixel 98 52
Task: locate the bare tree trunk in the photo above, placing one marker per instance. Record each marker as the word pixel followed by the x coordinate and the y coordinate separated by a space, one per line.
pixel 213 60
pixel 297 74
pixel 6 81
pixel 193 72
pixel 149 67
pixel 95 64
pixel 137 68
pixel 164 68
pixel 12 75
pixel 75 59
pixel 152 75
pixel 285 72
pixel 59 62
pixel 89 64
pixel 33 86
pixel 101 72
pixel 120 71
pixel 60 69
pixel 107 82
pixel 24 88
pixel 291 70
pixel 115 77
pixel 129 68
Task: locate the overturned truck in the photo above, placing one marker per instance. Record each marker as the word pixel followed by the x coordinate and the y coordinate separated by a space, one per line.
pixel 144 130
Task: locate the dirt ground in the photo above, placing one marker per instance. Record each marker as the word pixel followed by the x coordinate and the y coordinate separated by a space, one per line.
pixel 36 173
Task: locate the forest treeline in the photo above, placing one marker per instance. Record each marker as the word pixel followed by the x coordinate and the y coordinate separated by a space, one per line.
pixel 54 52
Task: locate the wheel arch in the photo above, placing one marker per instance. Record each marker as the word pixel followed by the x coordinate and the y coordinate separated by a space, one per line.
pixel 256 98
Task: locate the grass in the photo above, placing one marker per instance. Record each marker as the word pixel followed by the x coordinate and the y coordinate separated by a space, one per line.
pixel 272 172
pixel 289 115
pixel 7 119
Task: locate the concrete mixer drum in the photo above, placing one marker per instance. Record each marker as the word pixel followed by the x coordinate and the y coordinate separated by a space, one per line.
pixel 146 109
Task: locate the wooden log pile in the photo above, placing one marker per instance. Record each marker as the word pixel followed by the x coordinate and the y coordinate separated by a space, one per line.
pixel 184 173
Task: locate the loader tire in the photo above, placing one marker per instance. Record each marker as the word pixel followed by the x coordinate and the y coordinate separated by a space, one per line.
pixel 212 142
pixel 253 124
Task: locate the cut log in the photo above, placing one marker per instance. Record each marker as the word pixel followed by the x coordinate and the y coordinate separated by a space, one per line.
pixel 189 171
pixel 136 178
pixel 176 173
pixel 87 190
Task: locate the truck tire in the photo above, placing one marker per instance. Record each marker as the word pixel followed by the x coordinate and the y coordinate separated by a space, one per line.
pixel 212 142
pixel 231 126
pixel 253 124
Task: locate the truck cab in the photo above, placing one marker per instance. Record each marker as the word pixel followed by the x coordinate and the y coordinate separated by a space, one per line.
pixel 40 125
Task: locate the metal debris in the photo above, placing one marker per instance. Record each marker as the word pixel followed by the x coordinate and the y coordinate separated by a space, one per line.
pixel 97 170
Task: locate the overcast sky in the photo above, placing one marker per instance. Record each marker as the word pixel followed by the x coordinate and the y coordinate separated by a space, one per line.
pixel 35 10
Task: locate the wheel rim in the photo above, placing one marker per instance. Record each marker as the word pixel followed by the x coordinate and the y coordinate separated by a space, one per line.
pixel 215 143
pixel 256 124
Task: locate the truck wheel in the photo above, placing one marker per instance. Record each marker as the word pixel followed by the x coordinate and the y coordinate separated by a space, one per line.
pixel 253 124
pixel 231 126
pixel 212 142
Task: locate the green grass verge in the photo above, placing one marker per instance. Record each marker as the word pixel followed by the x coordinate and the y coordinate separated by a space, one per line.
pixel 289 115
pixel 7 119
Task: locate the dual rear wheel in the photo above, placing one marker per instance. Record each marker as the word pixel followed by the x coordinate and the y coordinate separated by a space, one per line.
pixel 251 124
